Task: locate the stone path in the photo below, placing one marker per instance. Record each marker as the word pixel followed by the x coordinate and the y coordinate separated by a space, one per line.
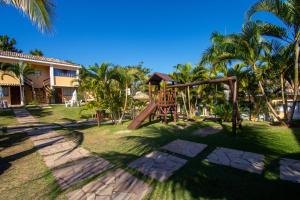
pixel 158 165
pixel 24 117
pixel 247 161
pixel 69 163
pixel 290 170
pixel 186 148
pixel 209 130
pixel 115 185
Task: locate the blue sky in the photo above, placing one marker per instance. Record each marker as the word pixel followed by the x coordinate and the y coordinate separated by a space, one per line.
pixel 161 33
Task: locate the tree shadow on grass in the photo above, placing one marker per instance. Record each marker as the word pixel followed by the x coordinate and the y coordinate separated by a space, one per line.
pixel 199 179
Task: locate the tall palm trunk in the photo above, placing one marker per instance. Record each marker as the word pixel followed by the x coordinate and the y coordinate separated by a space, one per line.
pixel 22 90
pixel 189 101
pixel 269 104
pixel 125 104
pixel 184 104
pixel 284 102
pixel 296 80
pixel 250 108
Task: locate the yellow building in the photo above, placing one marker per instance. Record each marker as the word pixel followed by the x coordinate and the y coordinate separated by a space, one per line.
pixel 54 81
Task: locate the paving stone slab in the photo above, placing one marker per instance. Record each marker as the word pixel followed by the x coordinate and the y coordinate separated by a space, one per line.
pixel 72 172
pixel 247 161
pixel 290 170
pixel 158 165
pixel 114 185
pixel 186 148
pixel 209 130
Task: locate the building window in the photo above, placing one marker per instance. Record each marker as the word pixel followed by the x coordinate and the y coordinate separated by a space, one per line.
pixel 68 91
pixel 64 73
pixel 5 91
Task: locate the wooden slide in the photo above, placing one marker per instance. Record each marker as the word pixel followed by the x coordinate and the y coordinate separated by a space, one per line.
pixel 136 123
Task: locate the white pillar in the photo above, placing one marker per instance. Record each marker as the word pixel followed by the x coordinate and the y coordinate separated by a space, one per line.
pixel 51 76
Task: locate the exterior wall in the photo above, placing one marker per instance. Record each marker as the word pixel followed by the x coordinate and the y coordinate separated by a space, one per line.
pixel 64 81
pixel 296 113
pixel 42 73
pixel 8 80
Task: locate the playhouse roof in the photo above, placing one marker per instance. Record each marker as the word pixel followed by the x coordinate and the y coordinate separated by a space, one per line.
pixel 157 77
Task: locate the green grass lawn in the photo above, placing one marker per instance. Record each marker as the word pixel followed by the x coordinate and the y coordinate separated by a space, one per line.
pixel 7 117
pixel 198 179
pixel 23 174
pixel 59 113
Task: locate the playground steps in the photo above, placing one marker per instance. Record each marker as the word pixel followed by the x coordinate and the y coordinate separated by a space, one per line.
pixel 136 123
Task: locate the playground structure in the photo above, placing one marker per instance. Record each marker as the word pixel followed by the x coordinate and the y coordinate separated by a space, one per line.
pixel 162 100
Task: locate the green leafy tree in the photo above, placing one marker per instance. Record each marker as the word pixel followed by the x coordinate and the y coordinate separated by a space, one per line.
pixel 36 52
pixel 288 11
pixel 8 44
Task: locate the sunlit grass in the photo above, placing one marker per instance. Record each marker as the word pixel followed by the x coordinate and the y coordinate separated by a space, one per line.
pixel 59 113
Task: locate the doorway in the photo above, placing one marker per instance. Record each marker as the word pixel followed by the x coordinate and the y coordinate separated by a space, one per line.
pixel 15 97
pixel 58 95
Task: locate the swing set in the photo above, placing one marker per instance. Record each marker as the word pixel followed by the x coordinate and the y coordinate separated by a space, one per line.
pixel 162 98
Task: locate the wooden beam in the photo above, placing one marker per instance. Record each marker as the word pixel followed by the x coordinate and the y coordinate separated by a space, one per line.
pixel 218 80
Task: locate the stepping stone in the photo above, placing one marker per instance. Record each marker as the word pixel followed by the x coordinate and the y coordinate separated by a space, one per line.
pixel 114 185
pixel 247 161
pixel 290 170
pixel 158 165
pixel 209 130
pixel 186 148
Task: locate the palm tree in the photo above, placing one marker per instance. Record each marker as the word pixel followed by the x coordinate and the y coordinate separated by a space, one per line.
pixel 20 71
pixel 246 47
pixel 183 74
pixel 40 12
pixel 289 13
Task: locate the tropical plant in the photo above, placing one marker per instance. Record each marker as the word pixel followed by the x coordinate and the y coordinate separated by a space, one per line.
pixel 19 71
pixel 40 12
pixel 288 11
pixel 36 52
pixel 246 47
pixel 111 85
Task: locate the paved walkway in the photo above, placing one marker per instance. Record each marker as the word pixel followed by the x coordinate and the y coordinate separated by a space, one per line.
pixel 115 185
pixel 24 117
pixel 68 162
